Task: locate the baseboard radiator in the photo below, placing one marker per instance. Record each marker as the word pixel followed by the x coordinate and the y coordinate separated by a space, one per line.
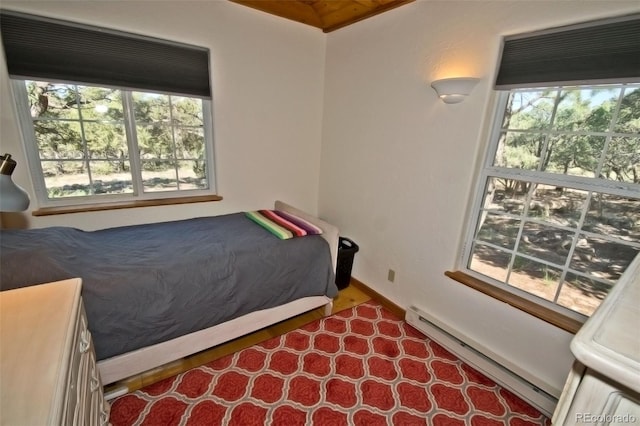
pixel 474 355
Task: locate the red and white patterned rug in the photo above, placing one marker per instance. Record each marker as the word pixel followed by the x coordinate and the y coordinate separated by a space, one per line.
pixel 361 366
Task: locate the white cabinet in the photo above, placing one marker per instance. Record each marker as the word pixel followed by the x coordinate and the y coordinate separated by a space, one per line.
pixel 47 360
pixel 600 401
pixel 603 387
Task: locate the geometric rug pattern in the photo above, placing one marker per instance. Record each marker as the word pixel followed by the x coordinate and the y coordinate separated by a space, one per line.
pixel 361 366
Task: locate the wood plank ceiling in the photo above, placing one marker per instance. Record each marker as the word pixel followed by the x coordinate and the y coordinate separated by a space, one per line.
pixel 328 15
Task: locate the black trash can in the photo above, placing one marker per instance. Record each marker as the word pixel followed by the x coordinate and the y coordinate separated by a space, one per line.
pixel 347 250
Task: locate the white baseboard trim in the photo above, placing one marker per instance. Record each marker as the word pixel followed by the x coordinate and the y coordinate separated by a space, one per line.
pixel 484 360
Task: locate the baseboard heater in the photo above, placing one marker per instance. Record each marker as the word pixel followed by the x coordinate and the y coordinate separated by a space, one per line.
pixel 473 354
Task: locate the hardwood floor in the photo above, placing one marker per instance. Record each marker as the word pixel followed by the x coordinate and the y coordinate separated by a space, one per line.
pixel 347 298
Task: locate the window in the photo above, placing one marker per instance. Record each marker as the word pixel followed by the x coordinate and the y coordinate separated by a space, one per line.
pixel 97 143
pixel 110 118
pixel 555 220
pixel 557 215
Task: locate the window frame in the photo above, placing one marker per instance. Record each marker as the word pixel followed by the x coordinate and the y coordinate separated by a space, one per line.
pixel 138 198
pixel 549 311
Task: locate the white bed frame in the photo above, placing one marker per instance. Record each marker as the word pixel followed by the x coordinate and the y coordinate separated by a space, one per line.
pixel 135 362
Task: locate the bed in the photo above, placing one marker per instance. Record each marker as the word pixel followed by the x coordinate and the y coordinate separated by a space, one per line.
pixel 159 292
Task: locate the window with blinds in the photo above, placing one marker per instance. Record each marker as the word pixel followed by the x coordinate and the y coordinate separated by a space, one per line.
pixel 557 208
pixel 109 115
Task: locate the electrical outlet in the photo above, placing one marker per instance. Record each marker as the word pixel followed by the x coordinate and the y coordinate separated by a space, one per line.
pixel 391 275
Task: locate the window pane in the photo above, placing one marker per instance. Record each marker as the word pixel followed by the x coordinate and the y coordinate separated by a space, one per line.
pixel 505 195
pixel 614 216
pixel 59 140
pixel 520 150
pixel 187 111
pixel 629 115
pixel 529 110
pixel 189 143
pixel 586 109
pixel 490 261
pixel 602 258
pixel 110 177
pixel 498 230
pixel 49 100
pixel 535 278
pixel 556 205
pixel 191 175
pixel 155 142
pixel 69 179
pixel 546 242
pixel 159 176
pixel 622 160
pixel 574 155
pixel 151 108
pixel 99 103
pixel 106 141
pixel 171 128
pixel 582 294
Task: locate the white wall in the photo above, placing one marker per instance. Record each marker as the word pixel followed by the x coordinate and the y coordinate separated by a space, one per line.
pixel 267 77
pixel 398 165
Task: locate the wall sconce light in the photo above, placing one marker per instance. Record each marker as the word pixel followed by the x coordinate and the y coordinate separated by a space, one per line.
pixel 12 197
pixel 454 90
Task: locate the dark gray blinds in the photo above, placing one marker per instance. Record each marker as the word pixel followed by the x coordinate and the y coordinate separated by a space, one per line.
pixel 590 53
pixel 42 48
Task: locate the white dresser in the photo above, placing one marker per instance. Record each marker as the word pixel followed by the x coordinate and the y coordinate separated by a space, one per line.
pixel 48 373
pixel 603 387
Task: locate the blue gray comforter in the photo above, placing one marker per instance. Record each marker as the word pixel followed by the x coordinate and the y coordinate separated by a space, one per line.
pixel 149 283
